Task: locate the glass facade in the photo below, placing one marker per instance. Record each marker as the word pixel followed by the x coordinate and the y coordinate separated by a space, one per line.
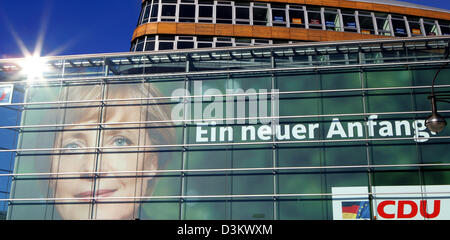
pixel 270 132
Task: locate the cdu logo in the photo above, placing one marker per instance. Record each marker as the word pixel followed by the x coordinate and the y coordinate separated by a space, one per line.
pixel 6 92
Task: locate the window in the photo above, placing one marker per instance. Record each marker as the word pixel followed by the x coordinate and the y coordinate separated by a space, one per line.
pixel 261 41
pixel 187 12
pixel 430 27
pixel 349 20
pixel 224 42
pixel 150 43
pixel 445 27
pixel 185 42
pixel 314 17
pixel 383 24
pixel 399 26
pixel 224 12
pixel 280 42
pixel 279 15
pixel 260 14
pixel 366 23
pixel 205 11
pixel 140 44
pixel 242 13
pixel 166 42
pixel 154 12
pixel 243 42
pixel 415 26
pixel 297 16
pixel 332 21
pixel 165 46
pixel 168 10
pixel 146 12
pixel 205 42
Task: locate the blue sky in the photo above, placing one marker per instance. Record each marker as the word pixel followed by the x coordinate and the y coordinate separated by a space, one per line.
pixel 73 26
pixel 80 26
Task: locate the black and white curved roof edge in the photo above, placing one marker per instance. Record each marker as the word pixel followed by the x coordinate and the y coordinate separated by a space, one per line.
pixel 403 4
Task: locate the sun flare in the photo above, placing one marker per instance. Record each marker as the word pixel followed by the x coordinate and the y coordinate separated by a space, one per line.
pixel 34 67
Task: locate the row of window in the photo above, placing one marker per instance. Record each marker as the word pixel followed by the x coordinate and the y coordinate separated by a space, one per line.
pixel 290 15
pixel 170 42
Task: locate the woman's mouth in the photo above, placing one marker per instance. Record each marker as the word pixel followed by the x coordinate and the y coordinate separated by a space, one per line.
pixel 103 193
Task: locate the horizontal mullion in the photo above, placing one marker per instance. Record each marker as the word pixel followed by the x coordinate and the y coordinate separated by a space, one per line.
pixel 98 174
pixel 220 95
pixel 203 73
pixel 182 121
pixel 248 196
pixel 184 146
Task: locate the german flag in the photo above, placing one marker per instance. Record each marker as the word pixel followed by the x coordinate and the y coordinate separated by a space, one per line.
pixel 355 210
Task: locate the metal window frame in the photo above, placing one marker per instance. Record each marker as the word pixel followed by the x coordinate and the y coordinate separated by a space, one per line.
pixel 267 7
pixel 286 16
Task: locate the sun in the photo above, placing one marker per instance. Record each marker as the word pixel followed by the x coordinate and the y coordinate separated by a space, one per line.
pixel 33 67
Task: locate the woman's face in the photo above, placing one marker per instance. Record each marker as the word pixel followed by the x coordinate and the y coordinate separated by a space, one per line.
pixel 109 184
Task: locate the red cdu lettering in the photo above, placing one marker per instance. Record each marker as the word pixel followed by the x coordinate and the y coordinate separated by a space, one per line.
pixel 381 212
pixel 436 210
pixel 401 209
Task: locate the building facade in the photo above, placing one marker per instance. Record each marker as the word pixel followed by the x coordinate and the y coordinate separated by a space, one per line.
pixel 332 130
pixel 187 24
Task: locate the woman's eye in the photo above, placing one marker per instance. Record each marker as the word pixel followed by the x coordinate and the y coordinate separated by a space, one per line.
pixel 71 146
pixel 121 141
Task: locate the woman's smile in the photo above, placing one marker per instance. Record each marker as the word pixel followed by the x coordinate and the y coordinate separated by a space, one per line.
pixel 104 193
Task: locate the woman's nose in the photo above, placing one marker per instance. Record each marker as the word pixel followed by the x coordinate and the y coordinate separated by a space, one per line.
pixel 88 166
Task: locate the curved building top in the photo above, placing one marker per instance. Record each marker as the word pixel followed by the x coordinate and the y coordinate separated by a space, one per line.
pixel 337 3
pixel 180 24
pixel 402 4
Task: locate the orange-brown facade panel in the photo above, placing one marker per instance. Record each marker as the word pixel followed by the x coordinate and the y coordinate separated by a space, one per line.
pixel 228 30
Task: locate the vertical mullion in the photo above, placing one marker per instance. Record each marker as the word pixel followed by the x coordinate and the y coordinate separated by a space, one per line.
pixel 288 16
pixel 408 29
pixel 137 212
pixel 251 7
pixel 341 20
pixel 322 18
pixel 99 141
pixel 182 213
pixel 159 14
pixel 305 14
pixel 391 26
pixel 65 97
pixel 375 23
pixel 229 82
pixel 13 156
pixel 422 27
pixel 438 26
pixel 17 160
pixel 368 146
pixel 269 15
pixel 274 114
